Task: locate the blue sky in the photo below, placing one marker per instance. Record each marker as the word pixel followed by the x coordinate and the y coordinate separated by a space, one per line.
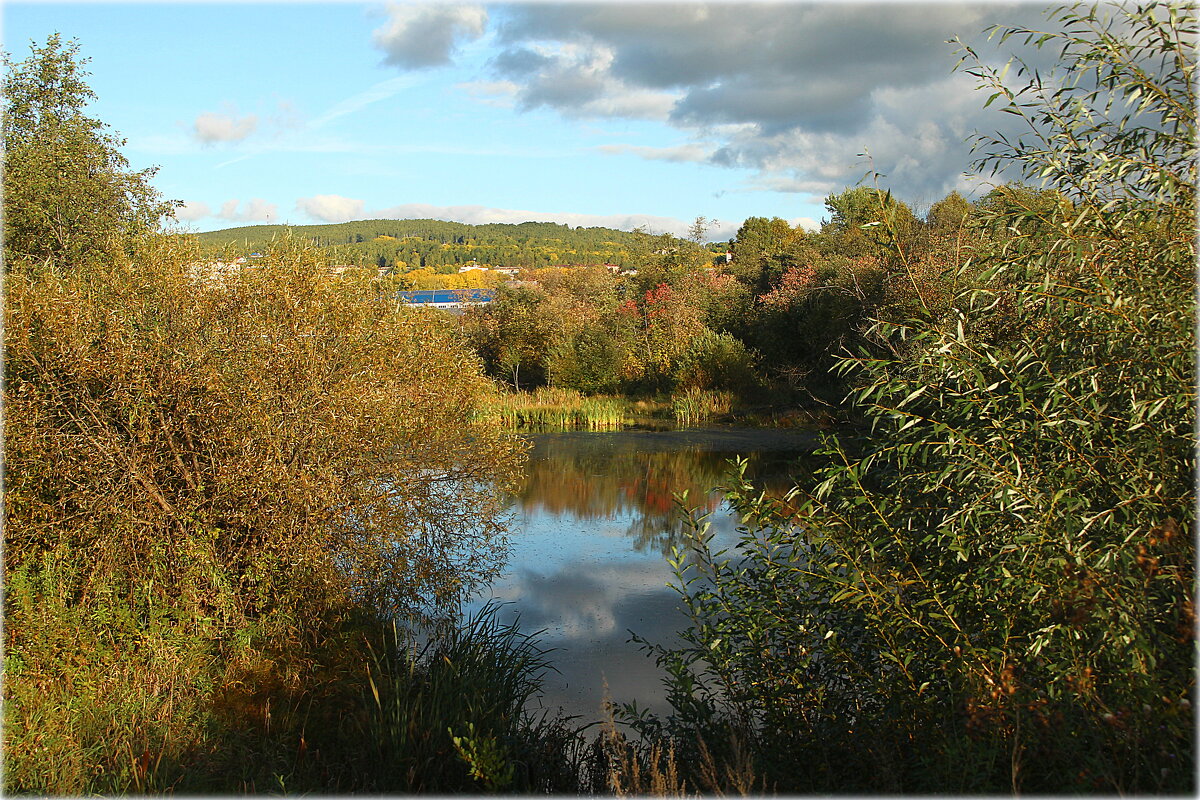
pixel 614 114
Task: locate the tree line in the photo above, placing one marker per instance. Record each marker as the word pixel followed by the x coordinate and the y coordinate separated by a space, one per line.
pixel 404 245
pixel 771 321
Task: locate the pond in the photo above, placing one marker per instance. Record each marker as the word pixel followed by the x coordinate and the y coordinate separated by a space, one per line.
pixel 593 527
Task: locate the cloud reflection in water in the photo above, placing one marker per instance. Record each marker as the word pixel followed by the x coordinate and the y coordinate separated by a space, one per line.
pixel 587 563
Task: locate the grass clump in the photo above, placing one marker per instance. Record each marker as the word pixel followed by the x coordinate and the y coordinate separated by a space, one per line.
pixel 451 716
pixel 696 406
pixel 555 409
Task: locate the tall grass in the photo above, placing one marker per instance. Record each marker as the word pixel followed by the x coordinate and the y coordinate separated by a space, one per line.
pixel 696 406
pixel 151 704
pixel 450 716
pixel 555 408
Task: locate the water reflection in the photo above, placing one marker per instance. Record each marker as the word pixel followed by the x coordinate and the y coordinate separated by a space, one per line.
pixel 593 522
pixel 588 475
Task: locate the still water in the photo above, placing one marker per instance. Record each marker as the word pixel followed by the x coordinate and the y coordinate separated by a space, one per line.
pixel 593 527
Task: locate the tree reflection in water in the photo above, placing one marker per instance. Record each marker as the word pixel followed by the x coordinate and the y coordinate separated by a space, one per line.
pixel 637 475
pixel 594 518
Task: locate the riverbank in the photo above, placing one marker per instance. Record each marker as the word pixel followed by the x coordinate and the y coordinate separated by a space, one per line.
pixel 548 408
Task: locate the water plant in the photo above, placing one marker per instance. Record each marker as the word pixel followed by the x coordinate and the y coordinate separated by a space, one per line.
pixel 555 409
pixel 452 715
pixel 695 406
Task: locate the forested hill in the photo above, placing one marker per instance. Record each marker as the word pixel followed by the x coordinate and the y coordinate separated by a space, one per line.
pixel 413 243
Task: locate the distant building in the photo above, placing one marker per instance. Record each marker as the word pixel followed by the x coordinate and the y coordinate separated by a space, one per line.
pixel 446 298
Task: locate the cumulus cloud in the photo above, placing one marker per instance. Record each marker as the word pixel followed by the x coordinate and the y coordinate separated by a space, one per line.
pixel 576 79
pixel 331 207
pixel 210 127
pixel 794 91
pixel 255 210
pixel 417 36
pixel 191 211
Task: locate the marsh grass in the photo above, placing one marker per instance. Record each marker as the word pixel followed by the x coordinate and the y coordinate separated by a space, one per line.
pixel 697 406
pixel 555 408
pixel 450 715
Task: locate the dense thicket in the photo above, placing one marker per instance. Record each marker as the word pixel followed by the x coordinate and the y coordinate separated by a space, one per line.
pixel 993 591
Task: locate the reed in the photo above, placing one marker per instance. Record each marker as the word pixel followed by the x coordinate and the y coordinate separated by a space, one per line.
pixel 450 716
pixel 555 408
pixel 697 406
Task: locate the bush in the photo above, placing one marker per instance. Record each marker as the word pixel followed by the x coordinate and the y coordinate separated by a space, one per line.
pixel 590 361
pixel 199 472
pixel 256 446
pixel 715 361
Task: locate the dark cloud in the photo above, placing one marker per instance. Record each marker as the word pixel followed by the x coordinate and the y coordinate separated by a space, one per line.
pixel 792 91
pixel 519 62
pixel 563 86
pixel 817 105
pixel 417 36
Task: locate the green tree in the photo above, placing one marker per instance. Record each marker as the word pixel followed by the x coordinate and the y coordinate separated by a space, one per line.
pixel 949 216
pixel 870 220
pixel 70 197
pixel 513 334
pixel 764 249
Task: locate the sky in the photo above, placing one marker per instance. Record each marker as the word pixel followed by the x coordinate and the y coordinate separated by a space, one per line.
pixel 616 114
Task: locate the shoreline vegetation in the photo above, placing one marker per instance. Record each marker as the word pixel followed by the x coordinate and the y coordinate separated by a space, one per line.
pixel 550 408
pixel 242 512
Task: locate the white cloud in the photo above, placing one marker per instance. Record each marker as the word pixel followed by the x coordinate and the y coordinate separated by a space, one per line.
pixel 256 210
pixel 211 127
pixel 499 94
pixel 331 207
pixel 427 35
pixel 192 210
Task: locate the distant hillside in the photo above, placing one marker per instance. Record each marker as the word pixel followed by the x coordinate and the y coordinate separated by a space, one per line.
pixel 408 244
